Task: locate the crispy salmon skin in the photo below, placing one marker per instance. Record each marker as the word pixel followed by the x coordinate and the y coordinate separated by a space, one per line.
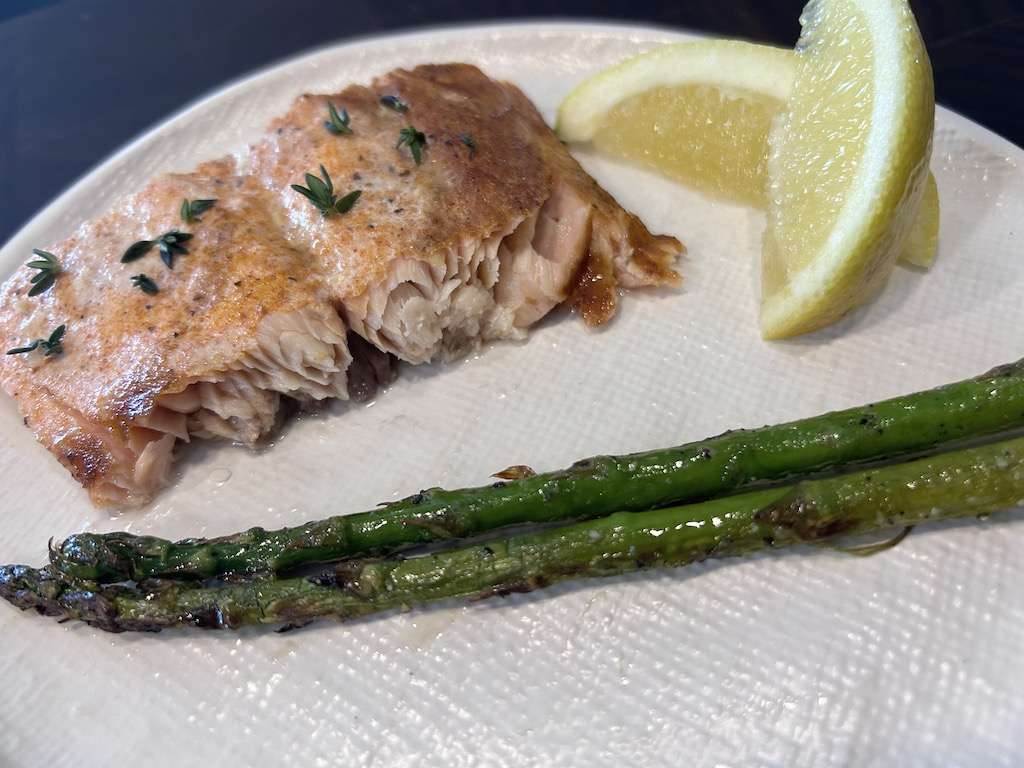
pixel 473 234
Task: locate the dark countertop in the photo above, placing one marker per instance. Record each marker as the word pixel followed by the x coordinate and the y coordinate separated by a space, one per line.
pixel 82 77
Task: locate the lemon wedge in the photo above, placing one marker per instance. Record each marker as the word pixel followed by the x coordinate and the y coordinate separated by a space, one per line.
pixel 702 113
pixel 697 112
pixel 847 164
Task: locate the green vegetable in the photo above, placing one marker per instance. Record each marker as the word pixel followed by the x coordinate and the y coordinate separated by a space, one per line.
pixel 971 409
pixel 968 482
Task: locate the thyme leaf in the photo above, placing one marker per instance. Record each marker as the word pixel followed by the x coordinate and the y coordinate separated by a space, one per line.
pixel 145 284
pixel 191 210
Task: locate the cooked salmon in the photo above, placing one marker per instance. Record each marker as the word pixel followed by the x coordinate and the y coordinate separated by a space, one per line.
pixel 474 227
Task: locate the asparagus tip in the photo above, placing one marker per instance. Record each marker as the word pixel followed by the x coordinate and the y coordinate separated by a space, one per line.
pixel 39 589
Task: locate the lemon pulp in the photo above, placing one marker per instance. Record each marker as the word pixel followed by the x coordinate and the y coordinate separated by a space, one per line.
pixel 712 139
pixel 825 127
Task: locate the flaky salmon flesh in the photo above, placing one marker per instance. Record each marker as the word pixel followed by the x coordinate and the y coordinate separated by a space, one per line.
pixel 474 227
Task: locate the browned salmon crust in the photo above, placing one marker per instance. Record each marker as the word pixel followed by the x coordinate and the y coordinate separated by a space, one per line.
pixel 497 226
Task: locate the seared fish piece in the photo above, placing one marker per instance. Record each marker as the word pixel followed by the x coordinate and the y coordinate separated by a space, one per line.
pixel 494 229
pixel 241 320
pixel 274 301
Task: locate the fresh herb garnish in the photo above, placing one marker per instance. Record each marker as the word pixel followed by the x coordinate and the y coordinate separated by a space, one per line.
pixel 345 203
pixel 466 139
pixel 169 244
pixel 191 210
pixel 48 267
pixel 50 346
pixel 320 192
pixel 395 103
pixel 415 140
pixel 145 284
pixel 337 124
pixel 137 250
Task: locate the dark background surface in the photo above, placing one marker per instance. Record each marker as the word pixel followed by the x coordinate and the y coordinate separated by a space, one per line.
pixel 79 78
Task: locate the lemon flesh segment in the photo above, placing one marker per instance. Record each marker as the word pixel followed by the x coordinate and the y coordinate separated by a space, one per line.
pixel 848 162
pixel 698 112
pixel 696 134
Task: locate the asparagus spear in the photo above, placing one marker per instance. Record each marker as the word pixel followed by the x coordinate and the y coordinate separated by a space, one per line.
pixel 986 405
pixel 961 483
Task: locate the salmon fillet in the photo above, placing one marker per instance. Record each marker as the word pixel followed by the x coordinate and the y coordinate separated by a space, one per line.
pixel 274 301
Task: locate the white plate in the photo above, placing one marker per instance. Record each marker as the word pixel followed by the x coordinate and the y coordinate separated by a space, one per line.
pixel 911 658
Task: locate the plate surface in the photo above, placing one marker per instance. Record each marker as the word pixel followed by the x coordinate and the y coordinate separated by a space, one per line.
pixel 910 658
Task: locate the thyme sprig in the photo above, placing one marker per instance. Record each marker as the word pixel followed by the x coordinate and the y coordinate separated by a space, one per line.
pixel 50 346
pixel 337 123
pixel 320 192
pixel 48 267
pixel 415 140
pixel 169 244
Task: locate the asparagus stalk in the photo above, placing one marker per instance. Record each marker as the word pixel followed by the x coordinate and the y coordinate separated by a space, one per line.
pixel 986 405
pixel 956 484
